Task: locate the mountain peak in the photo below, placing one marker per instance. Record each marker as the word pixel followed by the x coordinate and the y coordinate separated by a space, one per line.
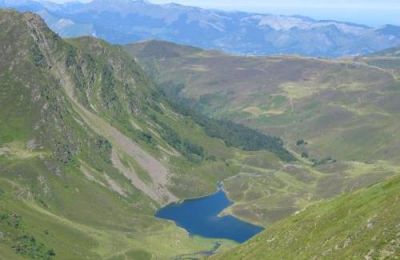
pixel 126 21
pixel 121 2
pixel 390 29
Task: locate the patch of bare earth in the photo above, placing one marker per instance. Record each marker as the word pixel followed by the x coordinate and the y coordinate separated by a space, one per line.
pixel 156 170
pixel 154 190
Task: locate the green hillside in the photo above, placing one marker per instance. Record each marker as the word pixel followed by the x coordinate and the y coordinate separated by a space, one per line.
pixel 340 117
pixel 85 155
pixel 361 225
pixel 388 60
pixel 223 86
pixel 90 147
pixel 344 109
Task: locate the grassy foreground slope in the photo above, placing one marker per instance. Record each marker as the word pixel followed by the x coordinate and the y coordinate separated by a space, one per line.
pixel 360 225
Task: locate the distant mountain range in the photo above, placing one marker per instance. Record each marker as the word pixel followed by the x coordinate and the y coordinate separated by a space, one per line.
pixel 126 21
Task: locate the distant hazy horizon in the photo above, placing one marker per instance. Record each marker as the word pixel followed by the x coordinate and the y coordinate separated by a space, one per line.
pixel 368 12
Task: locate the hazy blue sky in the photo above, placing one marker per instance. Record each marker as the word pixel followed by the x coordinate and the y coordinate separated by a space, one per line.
pixel 371 12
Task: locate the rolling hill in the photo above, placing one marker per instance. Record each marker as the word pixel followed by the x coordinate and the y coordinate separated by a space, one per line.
pixel 91 145
pixel 345 109
pixel 126 21
pixel 360 225
pixel 339 117
pixel 89 151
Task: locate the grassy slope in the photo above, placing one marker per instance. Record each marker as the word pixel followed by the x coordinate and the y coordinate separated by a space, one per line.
pixel 343 109
pixel 346 109
pixel 145 118
pixel 56 175
pixel 388 60
pixel 359 225
pixel 61 101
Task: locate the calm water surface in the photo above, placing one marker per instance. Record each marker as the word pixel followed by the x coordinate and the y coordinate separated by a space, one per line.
pixel 200 217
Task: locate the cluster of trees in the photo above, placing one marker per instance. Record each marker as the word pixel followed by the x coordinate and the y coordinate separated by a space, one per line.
pixel 37 57
pixel 104 148
pixel 232 134
pixel 28 246
pixel 193 152
pixel 23 243
pixel 301 142
pixel 323 161
pixel 108 94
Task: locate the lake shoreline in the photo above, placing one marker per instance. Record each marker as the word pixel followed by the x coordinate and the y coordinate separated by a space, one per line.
pixel 220 187
pixel 202 217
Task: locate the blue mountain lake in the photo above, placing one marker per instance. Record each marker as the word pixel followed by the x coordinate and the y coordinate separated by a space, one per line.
pixel 200 217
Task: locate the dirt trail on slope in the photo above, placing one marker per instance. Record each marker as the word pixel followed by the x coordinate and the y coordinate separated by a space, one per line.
pixel 157 171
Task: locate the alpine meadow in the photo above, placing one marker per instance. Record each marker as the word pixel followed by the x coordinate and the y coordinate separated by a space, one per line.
pixel 136 130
